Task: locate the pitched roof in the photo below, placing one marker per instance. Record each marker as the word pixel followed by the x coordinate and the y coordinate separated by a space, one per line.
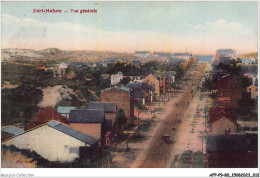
pixel 137 72
pixel 144 86
pixel 139 93
pixel 87 116
pixel 107 107
pixel 65 109
pixel 63 66
pixel 12 130
pixel 168 75
pixel 113 59
pixel 119 87
pixel 46 115
pixel 232 143
pixel 217 113
pixel 155 74
pixel 71 132
pixel 228 81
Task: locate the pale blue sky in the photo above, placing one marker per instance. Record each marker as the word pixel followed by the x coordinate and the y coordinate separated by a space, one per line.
pixel 166 26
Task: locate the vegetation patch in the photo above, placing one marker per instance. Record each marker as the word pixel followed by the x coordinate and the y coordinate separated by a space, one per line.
pixel 145 126
pixel 136 138
pixel 44 163
pixel 189 159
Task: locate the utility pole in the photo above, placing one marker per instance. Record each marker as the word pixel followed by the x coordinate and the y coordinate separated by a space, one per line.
pixel 148 112
pixel 202 143
pixel 159 102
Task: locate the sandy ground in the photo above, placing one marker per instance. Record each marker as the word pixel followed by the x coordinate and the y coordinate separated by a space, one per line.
pixel 191 132
pixel 53 95
pixel 9 86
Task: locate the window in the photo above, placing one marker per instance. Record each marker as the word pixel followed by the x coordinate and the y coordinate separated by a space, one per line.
pixel 74 150
pixel 249 89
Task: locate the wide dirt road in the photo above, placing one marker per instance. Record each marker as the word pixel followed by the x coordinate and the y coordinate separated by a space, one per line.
pixel 158 152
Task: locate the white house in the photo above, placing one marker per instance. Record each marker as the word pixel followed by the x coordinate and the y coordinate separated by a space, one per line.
pixel 54 141
pixel 185 56
pixel 64 66
pixel 116 78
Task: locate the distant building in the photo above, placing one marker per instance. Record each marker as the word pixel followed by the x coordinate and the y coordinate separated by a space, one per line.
pixel 71 75
pixel 136 62
pixel 45 116
pixel 158 81
pixel 112 60
pixel 185 56
pixel 82 65
pixel 225 55
pixel 136 75
pixel 142 54
pixel 10 131
pixel 232 151
pixel 124 99
pixel 202 59
pixel 163 57
pixel 56 141
pixel 103 63
pixel 41 65
pixel 104 79
pixel 64 66
pixel 59 72
pixel 156 54
pixel 122 60
pixel 175 61
pixel 65 110
pixel 116 78
pixel 143 92
pixel 247 61
pixel 222 121
pixel 250 69
pixel 92 65
pixel 170 79
pixel 253 90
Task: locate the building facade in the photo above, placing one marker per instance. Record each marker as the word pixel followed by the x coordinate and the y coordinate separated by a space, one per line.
pixel 124 99
pixel 55 142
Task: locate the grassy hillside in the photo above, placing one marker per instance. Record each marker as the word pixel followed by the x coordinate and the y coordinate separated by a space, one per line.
pixel 249 55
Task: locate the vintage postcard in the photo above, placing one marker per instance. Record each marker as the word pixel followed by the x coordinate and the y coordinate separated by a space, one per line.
pixel 88 84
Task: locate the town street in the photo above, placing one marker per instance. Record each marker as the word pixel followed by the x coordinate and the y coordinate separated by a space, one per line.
pixel 159 151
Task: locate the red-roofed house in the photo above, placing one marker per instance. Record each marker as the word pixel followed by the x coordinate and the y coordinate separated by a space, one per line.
pixel 222 121
pixel 45 116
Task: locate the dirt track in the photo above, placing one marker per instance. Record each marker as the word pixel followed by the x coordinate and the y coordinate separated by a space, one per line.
pixel 158 152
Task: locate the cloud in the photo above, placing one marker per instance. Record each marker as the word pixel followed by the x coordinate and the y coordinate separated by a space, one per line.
pixel 222 26
pixel 35 34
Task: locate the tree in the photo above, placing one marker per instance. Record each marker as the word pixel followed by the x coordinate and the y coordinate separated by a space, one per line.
pixel 20 104
pixel 120 119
